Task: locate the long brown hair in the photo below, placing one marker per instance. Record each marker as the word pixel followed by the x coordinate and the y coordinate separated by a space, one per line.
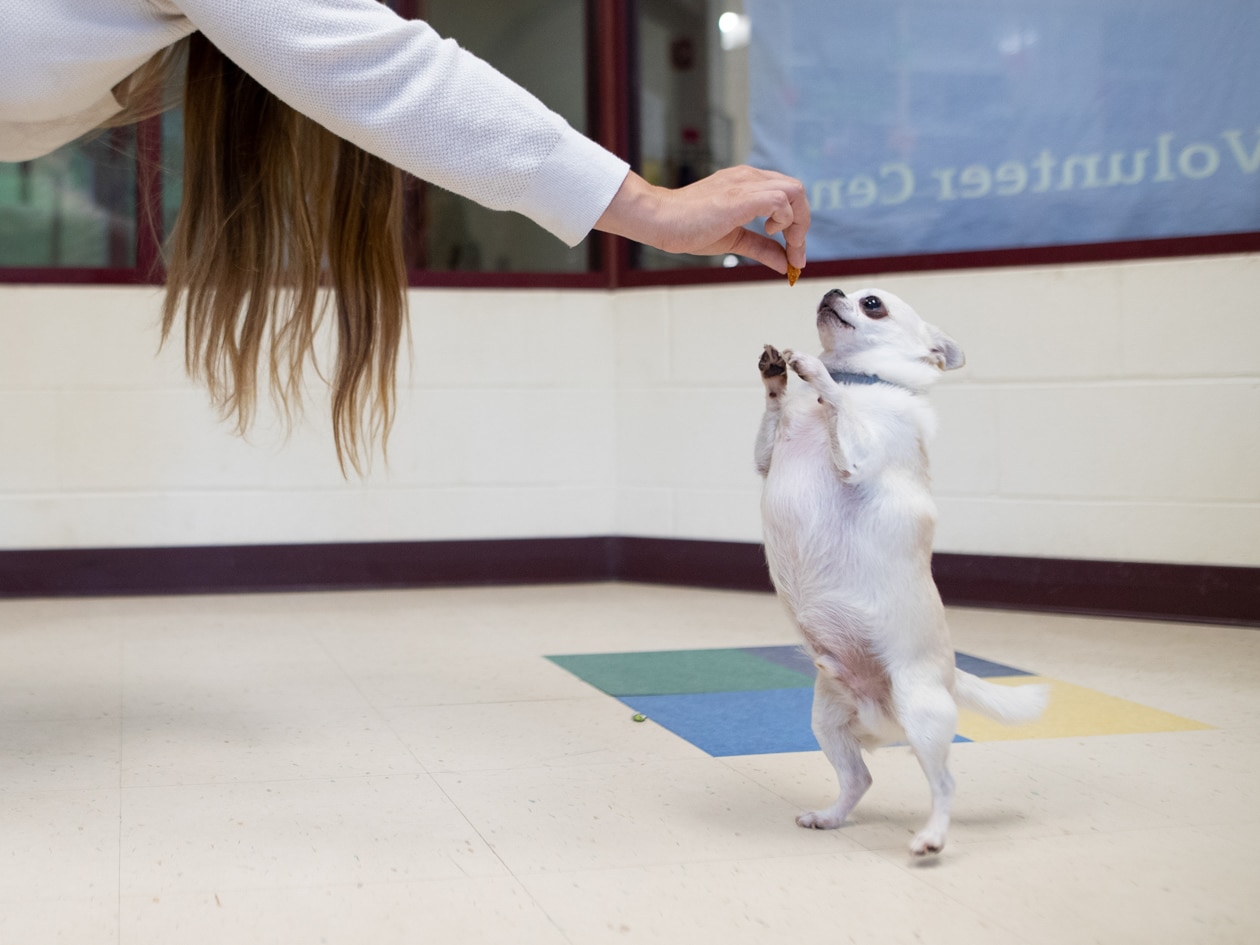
pixel 279 220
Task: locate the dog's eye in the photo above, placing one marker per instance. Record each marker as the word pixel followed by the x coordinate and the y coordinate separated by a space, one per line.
pixel 873 306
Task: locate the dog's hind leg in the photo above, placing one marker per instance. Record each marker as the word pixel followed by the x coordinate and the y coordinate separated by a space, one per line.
pixel 928 715
pixel 832 719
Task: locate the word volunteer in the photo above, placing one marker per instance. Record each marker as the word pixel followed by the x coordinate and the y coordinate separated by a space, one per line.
pixel 896 182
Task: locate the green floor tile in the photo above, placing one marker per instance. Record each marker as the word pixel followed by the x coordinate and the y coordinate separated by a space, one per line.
pixel 675 672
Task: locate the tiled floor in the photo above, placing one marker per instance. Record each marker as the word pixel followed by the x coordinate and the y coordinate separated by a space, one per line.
pixel 380 768
pixel 756 700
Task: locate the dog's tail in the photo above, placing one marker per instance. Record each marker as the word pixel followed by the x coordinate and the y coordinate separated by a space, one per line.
pixel 1010 705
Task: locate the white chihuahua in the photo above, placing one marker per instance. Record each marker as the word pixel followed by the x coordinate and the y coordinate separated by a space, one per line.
pixel 848 517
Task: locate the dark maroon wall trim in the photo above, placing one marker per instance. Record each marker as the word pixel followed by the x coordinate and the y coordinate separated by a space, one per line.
pixel 730 565
pixel 233 569
pixel 1201 593
pixel 1223 244
pixel 1207 593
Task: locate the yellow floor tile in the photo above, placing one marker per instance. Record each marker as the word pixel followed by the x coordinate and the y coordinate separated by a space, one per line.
pixel 1074 711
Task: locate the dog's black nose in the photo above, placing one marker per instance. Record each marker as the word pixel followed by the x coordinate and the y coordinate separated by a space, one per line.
pixel 828 303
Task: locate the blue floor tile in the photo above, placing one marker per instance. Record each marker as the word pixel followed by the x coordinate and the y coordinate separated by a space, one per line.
pixel 721 724
pixel 764 722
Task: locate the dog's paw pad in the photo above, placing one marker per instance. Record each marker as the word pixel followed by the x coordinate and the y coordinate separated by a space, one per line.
pixel 818 820
pixel 771 363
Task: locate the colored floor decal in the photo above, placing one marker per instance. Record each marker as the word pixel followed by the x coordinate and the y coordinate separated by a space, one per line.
pixel 756 700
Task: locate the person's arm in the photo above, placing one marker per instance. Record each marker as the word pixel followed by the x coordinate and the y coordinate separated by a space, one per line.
pixel 710 217
pixel 398 90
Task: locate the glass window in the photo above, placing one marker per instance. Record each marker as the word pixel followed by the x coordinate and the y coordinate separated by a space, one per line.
pixel 75 207
pixel 171 163
pixel 921 127
pixel 540 44
pixel 924 127
pixel 691 117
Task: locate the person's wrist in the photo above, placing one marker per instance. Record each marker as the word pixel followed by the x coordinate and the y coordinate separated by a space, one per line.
pixel 633 211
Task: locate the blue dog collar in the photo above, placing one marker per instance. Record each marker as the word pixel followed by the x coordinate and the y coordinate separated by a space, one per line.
pixel 847 377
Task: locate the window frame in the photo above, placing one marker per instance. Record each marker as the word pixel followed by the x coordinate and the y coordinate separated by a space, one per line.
pixel 612 81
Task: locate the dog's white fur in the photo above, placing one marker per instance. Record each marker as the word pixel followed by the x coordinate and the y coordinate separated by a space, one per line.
pixel 848 518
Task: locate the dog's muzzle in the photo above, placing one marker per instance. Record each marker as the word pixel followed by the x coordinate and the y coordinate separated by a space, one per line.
pixel 830 306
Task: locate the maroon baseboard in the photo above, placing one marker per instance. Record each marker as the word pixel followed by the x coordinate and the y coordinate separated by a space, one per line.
pixel 729 565
pixel 259 568
pixel 1198 593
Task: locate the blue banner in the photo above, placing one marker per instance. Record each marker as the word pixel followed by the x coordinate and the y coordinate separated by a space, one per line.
pixel 923 126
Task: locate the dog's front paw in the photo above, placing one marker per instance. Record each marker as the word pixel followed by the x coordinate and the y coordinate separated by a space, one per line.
pixel 771 363
pixel 773 371
pixel 818 820
pixel 807 367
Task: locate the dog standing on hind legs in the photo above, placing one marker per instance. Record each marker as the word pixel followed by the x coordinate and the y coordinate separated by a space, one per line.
pixel 848 519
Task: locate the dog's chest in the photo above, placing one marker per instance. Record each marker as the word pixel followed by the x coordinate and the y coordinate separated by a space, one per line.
pixel 803 490
pixel 803 428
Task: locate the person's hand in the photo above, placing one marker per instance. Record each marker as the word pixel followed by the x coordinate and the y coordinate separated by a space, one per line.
pixel 710 217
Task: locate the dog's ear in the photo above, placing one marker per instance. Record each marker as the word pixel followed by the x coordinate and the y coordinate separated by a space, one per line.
pixel 945 350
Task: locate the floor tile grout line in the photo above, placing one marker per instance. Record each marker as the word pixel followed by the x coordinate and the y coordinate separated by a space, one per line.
pixel 916 867
pixel 554 920
pixel 418 760
pixel 122 702
pixel 256 782
pixel 705 861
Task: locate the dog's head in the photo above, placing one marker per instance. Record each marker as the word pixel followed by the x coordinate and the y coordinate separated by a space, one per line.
pixel 874 332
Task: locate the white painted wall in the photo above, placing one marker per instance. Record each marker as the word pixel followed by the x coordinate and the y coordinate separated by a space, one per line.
pixel 1107 411
pixel 502 431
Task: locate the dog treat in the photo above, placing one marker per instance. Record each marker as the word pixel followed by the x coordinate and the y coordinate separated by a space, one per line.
pixel 640 717
pixel 793 274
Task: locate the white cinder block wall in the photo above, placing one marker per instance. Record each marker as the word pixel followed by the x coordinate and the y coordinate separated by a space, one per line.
pixel 503 430
pixel 1107 412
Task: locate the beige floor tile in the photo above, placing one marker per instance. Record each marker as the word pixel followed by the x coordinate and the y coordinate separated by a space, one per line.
pixel 200 684
pixel 295 833
pixel 72 675
pixel 605 816
pixel 282 743
pixel 69 754
pixel 64 921
pixel 1174 886
pixel 401 671
pixel 1199 778
pixel 58 845
pixel 997 795
pixel 561 732
pixel 451 911
pixel 837 898
pixel 605 618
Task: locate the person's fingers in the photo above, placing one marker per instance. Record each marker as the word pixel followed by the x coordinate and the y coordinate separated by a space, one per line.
pixel 761 248
pixel 796 228
pixel 712 216
pixel 794 237
pixel 783 202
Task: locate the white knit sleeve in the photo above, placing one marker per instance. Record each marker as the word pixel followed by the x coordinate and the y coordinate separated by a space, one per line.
pixel 397 89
